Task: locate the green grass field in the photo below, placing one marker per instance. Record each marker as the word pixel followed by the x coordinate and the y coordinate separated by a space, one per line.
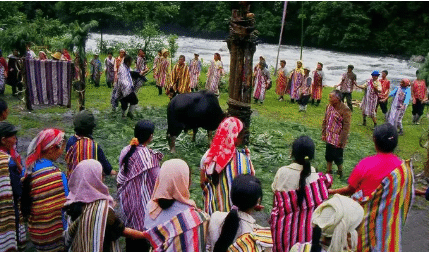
pixel 274 126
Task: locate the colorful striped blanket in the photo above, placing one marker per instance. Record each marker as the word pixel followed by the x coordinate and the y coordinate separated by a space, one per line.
pixel 258 241
pixel 291 223
pixel 45 224
pixel 385 211
pixel 8 240
pixel 185 232
pixel 87 233
pixel 217 197
pixel 85 148
pixel 49 82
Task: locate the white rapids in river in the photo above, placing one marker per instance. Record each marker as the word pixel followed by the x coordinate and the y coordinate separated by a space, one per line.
pixel 335 63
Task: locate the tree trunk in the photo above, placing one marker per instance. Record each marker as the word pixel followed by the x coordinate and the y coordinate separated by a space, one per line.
pixel 242 45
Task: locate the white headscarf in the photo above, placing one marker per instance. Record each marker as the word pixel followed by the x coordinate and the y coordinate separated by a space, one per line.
pixel 337 217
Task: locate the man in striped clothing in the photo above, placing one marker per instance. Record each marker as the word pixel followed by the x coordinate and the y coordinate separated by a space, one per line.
pixel 335 130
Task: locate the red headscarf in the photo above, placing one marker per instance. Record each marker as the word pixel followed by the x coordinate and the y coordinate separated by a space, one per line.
pixel 66 55
pixel 44 140
pixel 223 145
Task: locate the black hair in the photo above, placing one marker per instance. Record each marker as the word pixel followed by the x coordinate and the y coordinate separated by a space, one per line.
pixel 26 199
pixel 320 63
pixel 165 203
pixel 182 56
pixel 417 72
pixel 74 210
pixel 245 192
pixel 385 137
pixel 3 105
pixel 284 61
pixel 128 59
pixel 316 236
pixel 303 151
pixel 142 131
pixel 351 66
pixel 110 52
pixel 385 71
pixel 219 56
pixel 87 132
pixel 337 93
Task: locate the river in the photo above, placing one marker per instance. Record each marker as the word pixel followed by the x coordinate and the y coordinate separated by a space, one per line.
pixel 335 63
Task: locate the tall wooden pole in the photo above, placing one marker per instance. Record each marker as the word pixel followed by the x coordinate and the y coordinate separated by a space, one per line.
pixel 242 45
pixel 280 36
pixel 301 43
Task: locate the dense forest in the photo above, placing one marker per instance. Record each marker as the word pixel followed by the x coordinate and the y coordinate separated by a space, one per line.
pixel 396 28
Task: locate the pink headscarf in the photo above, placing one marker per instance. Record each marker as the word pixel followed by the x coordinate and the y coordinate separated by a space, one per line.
pixel 172 183
pixel 85 184
pixel 223 145
pixel 43 141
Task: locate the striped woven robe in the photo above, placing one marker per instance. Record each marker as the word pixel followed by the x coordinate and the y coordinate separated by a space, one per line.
pixel 87 233
pixel 45 224
pixel 261 79
pixel 281 81
pixel 180 81
pixel 185 232
pixel 195 68
pixel 258 241
pixel 163 72
pixel 370 100
pixel 295 79
pixel 135 188
pixel 317 84
pixel 8 237
pixel 214 74
pixel 291 223
pixel 217 197
pixel 385 211
pixel 83 149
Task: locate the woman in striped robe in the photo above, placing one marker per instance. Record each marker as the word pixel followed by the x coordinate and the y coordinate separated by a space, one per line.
pixel 383 185
pixel 221 164
pixel 298 190
pixel 370 100
pixel 172 220
pixel 94 225
pixel 139 168
pixel 44 191
pixel 226 227
pixel 214 74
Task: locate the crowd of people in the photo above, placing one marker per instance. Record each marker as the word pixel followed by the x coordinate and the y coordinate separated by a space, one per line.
pixel 74 211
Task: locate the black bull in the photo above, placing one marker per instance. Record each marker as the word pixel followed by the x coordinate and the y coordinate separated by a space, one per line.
pixel 191 111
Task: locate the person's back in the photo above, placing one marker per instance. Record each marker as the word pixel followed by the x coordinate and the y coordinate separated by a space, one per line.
pixel 170 205
pixel 298 190
pixel 226 227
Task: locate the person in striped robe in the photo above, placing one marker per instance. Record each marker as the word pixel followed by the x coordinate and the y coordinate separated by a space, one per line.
pixel 173 221
pixel 139 169
pixel 383 185
pixel 8 143
pixel 261 82
pixel 226 227
pixel 163 70
pixel 214 74
pixel 81 146
pixel 221 164
pixel 317 84
pixel 298 190
pixel 180 78
pixel 44 191
pixel 370 100
pixel 295 78
pixel 155 68
pixel 259 240
pixel 93 223
pixel 8 236
pixel 195 68
pixel 281 81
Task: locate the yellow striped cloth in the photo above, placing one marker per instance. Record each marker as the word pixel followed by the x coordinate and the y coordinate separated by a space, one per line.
pixel 258 241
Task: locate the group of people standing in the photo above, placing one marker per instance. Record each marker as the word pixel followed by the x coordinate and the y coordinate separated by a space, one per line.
pixel 183 77
pixel 74 211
